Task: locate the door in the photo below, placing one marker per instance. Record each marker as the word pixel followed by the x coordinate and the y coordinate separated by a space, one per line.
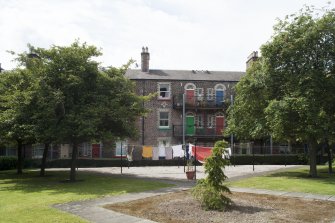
pixel 190 97
pixel 95 150
pixel 219 120
pixel 190 130
pixel 219 98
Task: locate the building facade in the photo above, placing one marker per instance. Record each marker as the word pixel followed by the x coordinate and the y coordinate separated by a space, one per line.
pixel 207 95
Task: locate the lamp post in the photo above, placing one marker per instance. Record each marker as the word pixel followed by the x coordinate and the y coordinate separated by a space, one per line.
pixel 232 135
pixel 184 145
pixel 195 158
pixel 121 157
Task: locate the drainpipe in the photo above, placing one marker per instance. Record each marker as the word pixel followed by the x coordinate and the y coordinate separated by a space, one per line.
pixel 143 93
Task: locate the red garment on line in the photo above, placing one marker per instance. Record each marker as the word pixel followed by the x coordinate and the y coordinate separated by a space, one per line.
pixel 202 153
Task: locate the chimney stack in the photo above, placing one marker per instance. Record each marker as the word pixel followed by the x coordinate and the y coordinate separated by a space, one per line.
pixel 251 58
pixel 145 57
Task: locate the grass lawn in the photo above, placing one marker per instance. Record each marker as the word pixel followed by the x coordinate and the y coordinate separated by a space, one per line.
pixel 28 198
pixel 294 181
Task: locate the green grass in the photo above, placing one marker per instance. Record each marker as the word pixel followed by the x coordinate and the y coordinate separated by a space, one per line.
pixel 28 198
pixel 293 181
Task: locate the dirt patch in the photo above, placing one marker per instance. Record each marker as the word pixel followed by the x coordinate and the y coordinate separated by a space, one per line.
pixel 181 207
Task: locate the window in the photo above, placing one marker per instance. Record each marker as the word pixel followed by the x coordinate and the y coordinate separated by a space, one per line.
pixel 119 145
pixel 164 90
pixel 220 87
pixel 164 141
pixel 189 86
pixel 199 93
pixel 199 122
pixel 85 149
pixel 210 121
pixel 37 150
pixel 210 94
pixel 164 119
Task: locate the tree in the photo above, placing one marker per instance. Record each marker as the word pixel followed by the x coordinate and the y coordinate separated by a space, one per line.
pixel 246 117
pixel 78 101
pixel 46 101
pixel 211 190
pixel 16 90
pixel 298 75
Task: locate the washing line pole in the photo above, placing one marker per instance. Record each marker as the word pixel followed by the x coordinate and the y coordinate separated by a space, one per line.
pixel 232 135
pixel 121 157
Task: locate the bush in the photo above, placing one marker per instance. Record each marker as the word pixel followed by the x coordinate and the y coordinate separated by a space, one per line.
pixel 210 198
pixel 211 190
pixel 8 162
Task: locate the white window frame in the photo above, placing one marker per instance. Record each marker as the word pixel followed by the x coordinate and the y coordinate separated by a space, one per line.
pixel 85 149
pixel 168 91
pixel 124 148
pixel 210 94
pixel 37 150
pixel 161 140
pixel 199 121
pixel 190 86
pixel 220 87
pixel 199 94
pixel 168 118
pixel 211 121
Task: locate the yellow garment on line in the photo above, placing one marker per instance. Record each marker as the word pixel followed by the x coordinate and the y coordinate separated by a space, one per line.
pixel 147 152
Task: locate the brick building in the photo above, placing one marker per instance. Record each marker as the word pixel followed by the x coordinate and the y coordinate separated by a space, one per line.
pixel 207 95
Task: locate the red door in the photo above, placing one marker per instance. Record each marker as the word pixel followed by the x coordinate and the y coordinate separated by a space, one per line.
pixel 95 150
pixel 219 120
pixel 190 97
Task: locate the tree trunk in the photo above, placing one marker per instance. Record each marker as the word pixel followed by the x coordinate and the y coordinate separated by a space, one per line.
pixel 73 162
pixel 19 157
pixel 44 159
pixel 330 160
pixel 312 160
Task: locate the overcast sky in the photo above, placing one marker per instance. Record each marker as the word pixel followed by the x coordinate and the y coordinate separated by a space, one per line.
pixel 180 34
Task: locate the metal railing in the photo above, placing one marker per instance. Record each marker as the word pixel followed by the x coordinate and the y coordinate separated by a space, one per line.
pixel 212 102
pixel 198 131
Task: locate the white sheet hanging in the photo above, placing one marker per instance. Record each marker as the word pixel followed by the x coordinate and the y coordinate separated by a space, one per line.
pixel 178 151
pixel 161 151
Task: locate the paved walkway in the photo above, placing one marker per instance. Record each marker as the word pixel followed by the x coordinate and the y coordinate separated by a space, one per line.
pixel 93 210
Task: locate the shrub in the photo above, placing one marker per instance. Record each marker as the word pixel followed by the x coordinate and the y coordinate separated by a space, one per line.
pixel 210 198
pixel 7 162
pixel 211 190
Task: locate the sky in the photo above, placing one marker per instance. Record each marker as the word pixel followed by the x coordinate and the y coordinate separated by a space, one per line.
pixel 215 35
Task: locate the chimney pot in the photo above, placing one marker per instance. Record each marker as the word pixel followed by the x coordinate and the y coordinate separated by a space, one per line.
pixel 251 58
pixel 145 57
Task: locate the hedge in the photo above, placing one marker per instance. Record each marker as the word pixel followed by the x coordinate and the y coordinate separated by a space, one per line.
pixel 7 163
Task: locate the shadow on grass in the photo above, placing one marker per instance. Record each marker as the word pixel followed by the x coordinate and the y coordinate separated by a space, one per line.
pixel 322 177
pixel 86 184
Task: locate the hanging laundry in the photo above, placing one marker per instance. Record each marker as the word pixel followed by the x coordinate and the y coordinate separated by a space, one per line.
pixel 227 153
pixel 161 152
pixel 168 153
pixel 202 152
pixel 155 152
pixel 190 149
pixel 147 152
pixel 130 154
pixel 178 151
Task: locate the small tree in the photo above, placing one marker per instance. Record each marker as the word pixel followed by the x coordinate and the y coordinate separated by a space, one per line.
pixel 211 190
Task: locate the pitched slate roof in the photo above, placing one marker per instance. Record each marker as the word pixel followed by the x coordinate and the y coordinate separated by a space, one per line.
pixel 185 75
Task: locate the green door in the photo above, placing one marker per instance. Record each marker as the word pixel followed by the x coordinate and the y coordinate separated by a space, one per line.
pixel 190 125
